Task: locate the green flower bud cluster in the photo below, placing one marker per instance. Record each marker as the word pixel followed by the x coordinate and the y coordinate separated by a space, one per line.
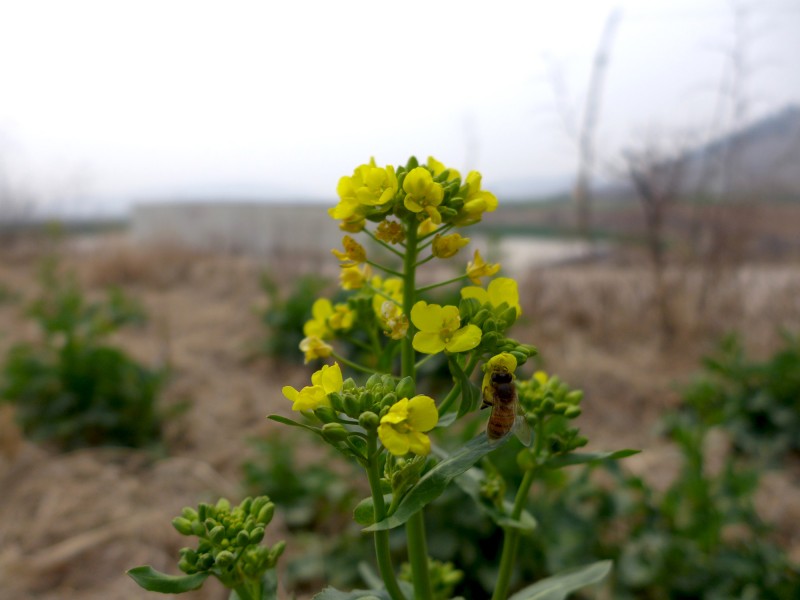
pixel 493 488
pixel 366 405
pixel 229 540
pixel 444 577
pixel 401 473
pixel 550 405
pixel 493 322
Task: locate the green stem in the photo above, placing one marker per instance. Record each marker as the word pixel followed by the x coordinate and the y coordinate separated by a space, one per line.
pixel 435 285
pixel 511 541
pixel 385 269
pixel 415 526
pixel 422 361
pixel 382 243
pixel 444 407
pixel 351 364
pixel 418 556
pixel 381 537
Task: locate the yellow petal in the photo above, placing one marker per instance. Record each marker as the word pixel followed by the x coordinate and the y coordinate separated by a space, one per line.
pixel 331 378
pixel 427 317
pixel 290 392
pixel 428 343
pixel 422 413
pixel 419 443
pixel 393 441
pixel 476 292
pixel 504 289
pixel 322 309
pixel 398 413
pixel 465 339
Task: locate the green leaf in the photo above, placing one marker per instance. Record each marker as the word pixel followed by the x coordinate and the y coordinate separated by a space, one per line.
pixel 155 581
pixel 470 483
pixel 559 586
pixel 581 458
pixel 364 512
pixel 433 483
pixel 287 421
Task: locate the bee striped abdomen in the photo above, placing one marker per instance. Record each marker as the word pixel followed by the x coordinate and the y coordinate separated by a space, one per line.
pixel 504 410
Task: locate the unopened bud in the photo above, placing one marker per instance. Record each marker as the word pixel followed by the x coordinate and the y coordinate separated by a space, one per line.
pixel 265 514
pixel 406 388
pixel 225 558
pixel 573 412
pixel 373 380
pixel 352 407
pixel 560 408
pixel 183 526
pixel 369 421
pixel 334 432
pixel 217 534
pixel 525 460
pixel 256 535
pixel 242 539
pixel 574 397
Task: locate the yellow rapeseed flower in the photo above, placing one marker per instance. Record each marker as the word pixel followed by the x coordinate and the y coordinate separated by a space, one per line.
pixel 390 289
pixel 354 278
pixel 477 202
pixel 402 429
pixel 500 290
pixel 447 246
pixel 477 268
pixel 426 227
pixel 423 194
pixel 323 383
pixel 369 186
pixel 440 329
pixel 438 168
pixel 321 311
pixel 314 347
pixel 354 253
pixel 342 318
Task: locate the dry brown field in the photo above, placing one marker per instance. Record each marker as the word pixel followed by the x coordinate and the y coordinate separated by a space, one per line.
pixel 70 524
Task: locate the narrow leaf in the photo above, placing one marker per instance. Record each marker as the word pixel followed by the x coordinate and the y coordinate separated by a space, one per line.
pixel 155 581
pixel 559 586
pixel 581 458
pixel 288 421
pixel 364 512
pixel 433 483
pixel 330 593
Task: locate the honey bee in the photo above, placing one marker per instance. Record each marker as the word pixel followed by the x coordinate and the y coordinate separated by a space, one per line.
pixel 500 392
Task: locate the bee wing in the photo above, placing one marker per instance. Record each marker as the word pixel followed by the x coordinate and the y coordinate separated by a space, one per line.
pixel 522 430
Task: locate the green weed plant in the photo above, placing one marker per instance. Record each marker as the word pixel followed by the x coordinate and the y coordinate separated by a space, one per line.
pixel 73 388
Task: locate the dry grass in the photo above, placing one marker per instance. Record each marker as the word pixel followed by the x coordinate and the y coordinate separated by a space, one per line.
pixel 70 524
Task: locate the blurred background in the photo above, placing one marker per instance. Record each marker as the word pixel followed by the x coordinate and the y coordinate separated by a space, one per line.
pixel 165 168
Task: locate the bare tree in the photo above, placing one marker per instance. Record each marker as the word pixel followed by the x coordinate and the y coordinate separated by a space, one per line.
pixel 656 177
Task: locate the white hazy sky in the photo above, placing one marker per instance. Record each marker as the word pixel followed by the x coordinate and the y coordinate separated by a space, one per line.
pixel 106 102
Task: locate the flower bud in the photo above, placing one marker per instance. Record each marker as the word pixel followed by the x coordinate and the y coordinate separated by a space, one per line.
pixel 198 529
pixel 389 399
pixel 480 316
pixel 242 539
pixel 225 558
pixel 352 407
pixel 349 385
pixel 325 414
pixel 574 397
pixel 406 388
pixel 560 408
pixel 205 562
pixel 187 567
pixel 183 526
pixel 573 412
pixel 334 433
pixel 412 163
pixel 217 534
pixel 369 421
pixel 256 535
pixel 189 513
pixel 509 316
pixel 265 514
pixel 246 504
pixel 373 380
pixel 489 325
pixel 520 356
pixel 580 441
pixel 548 404
pixel 258 504
pixel 275 552
pixel 223 504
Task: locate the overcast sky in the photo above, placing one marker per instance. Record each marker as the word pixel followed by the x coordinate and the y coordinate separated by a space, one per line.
pixel 107 102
